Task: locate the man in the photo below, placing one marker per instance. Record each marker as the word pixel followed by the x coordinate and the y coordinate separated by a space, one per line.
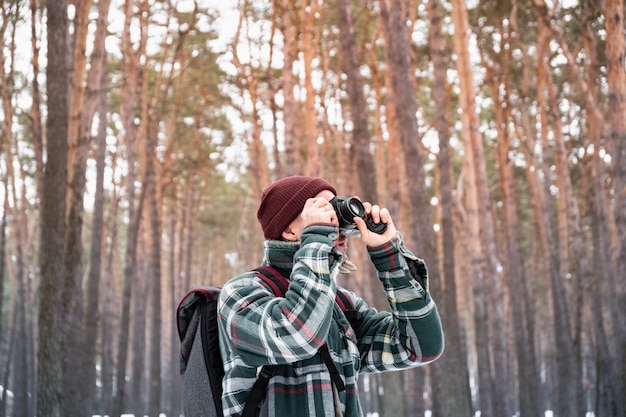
pixel 305 245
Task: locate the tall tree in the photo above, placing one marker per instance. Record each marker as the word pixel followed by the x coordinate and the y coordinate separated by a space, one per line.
pixel 17 369
pixel 290 32
pixel 569 388
pixel 480 231
pixel 364 159
pixel 95 88
pixel 84 93
pixel 50 353
pixel 398 65
pixel 450 397
pixel 616 79
pixel 249 74
pixel 129 97
pixel 310 12
pixel 35 107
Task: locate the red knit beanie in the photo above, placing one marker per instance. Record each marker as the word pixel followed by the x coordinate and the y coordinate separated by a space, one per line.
pixel 284 200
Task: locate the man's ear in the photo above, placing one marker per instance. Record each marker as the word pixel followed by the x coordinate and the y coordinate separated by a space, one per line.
pixel 289 235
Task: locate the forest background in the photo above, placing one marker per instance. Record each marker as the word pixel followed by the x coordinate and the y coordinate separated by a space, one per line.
pixel 137 136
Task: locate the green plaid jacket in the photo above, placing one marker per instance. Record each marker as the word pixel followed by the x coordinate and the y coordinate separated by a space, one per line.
pixel 257 328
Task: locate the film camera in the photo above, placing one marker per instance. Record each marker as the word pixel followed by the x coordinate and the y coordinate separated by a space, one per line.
pixel 347 208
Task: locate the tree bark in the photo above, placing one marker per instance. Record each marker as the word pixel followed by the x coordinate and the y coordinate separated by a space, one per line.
pixel 96 84
pixel 108 306
pixel 292 145
pixel 490 334
pixel 366 170
pixel 616 78
pixel 421 233
pixel 570 236
pixel 35 108
pixel 50 354
pixel 310 14
pixel 127 114
pixel 451 397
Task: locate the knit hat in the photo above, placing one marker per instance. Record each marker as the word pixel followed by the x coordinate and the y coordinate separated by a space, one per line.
pixel 284 200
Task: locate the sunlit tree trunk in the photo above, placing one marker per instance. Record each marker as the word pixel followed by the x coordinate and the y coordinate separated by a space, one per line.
pixel 396 169
pixel 249 75
pixel 490 332
pixel 77 79
pixel 310 14
pixel 274 83
pixel 380 159
pixel 290 50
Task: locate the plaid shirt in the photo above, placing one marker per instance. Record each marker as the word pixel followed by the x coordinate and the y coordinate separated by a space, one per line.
pixel 257 328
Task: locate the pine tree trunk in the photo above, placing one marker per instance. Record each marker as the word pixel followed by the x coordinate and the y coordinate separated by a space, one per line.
pixel 514 271
pixel 108 306
pixel 95 98
pixel 127 114
pixel 570 237
pixel 155 320
pixel 420 235
pixel 490 331
pixel 35 107
pixel 450 397
pixel 310 12
pixel 292 146
pixel 52 270
pixel 364 161
pixel 616 78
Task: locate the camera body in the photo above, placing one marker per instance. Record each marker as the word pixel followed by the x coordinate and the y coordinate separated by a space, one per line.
pixel 347 208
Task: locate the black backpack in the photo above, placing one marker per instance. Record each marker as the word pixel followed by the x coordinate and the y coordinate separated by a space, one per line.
pixel 201 365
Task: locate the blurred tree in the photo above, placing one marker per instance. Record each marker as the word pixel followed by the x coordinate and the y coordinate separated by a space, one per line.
pixel 450 397
pixel 130 93
pixel 96 97
pixel 49 340
pixel 616 79
pixel 364 160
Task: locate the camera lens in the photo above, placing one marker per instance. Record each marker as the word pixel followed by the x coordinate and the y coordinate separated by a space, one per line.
pixel 347 209
pixel 356 208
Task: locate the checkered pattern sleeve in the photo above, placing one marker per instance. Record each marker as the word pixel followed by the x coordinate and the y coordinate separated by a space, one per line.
pixel 411 333
pixel 265 329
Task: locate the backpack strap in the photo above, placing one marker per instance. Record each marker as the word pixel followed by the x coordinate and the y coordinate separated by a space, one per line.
pixel 349 309
pixel 257 393
pixel 279 284
pixel 273 279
